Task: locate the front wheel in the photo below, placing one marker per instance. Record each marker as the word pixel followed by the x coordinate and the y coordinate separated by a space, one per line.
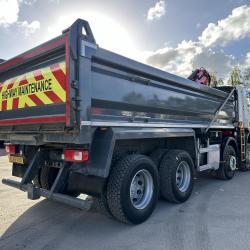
pixel 228 164
pixel 245 166
pixel 132 190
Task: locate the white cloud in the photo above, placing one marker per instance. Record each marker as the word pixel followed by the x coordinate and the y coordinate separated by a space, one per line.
pixel 236 26
pixel 9 15
pixel 190 55
pixel 55 1
pixel 247 60
pixel 27 2
pixel 8 12
pixel 177 60
pixel 214 61
pixel 29 28
pixel 103 28
pixel 187 56
pixel 157 11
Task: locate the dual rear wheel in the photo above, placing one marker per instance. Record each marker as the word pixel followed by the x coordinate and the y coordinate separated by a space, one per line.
pixel 176 176
pixel 135 182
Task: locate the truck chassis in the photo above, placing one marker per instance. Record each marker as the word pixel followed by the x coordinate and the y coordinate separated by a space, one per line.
pixel 125 133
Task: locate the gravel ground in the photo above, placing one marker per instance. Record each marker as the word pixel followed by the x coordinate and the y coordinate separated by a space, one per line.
pixel 217 216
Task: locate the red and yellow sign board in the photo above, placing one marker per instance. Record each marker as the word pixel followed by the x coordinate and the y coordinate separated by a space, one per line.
pixel 40 87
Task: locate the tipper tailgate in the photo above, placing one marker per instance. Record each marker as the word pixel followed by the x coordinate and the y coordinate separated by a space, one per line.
pixel 34 86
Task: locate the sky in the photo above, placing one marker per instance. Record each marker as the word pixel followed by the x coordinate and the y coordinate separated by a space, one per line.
pixel 177 36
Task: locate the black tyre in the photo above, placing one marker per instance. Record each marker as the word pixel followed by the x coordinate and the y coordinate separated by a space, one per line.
pixel 245 166
pixel 100 205
pixel 157 155
pixel 132 190
pixel 228 164
pixel 176 176
pixel 47 178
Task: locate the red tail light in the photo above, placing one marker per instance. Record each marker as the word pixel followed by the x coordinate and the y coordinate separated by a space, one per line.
pixel 10 149
pixel 76 155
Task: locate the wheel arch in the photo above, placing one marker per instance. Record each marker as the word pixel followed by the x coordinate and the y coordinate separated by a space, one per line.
pixel 229 141
pixel 107 141
pixel 184 143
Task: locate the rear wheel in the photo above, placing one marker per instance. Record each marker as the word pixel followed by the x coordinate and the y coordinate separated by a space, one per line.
pixel 132 189
pixel 47 178
pixel 100 205
pixel 157 155
pixel 176 176
pixel 228 165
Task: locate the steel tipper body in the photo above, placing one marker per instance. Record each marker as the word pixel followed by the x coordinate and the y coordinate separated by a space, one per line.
pixel 80 119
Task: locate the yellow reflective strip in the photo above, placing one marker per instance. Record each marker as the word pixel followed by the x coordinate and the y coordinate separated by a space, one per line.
pixel 30 77
pixel 21 103
pixel 63 67
pixel 24 99
pixel 40 95
pixel 56 87
pixel 3 89
pixel 44 98
pixel 5 84
pixel 1 96
pixel 29 102
pixel 10 100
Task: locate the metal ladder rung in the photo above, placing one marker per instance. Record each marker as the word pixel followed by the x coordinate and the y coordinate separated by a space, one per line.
pixel 242 144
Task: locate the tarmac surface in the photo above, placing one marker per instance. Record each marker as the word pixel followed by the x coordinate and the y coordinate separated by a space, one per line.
pixel 217 216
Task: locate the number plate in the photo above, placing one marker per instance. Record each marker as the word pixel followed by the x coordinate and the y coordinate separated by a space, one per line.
pixel 16 159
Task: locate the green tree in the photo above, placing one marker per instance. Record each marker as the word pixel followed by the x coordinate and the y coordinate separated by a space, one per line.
pixel 220 82
pixel 236 77
pixel 214 80
pixel 247 75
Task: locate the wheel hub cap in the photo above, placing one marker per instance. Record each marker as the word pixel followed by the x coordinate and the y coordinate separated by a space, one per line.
pixel 141 189
pixel 183 176
pixel 232 162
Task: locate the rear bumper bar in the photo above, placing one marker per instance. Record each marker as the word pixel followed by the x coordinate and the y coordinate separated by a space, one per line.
pixel 35 193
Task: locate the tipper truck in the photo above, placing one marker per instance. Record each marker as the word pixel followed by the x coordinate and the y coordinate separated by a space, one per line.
pixel 78 119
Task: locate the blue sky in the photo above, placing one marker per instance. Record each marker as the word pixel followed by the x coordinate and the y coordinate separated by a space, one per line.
pixel 174 35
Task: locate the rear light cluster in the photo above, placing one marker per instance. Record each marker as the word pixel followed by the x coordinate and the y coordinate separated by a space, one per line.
pixel 76 155
pixel 73 155
pixel 10 149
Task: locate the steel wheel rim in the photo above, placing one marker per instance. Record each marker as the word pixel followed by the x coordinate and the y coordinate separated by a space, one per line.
pixel 183 176
pixel 232 163
pixel 141 189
